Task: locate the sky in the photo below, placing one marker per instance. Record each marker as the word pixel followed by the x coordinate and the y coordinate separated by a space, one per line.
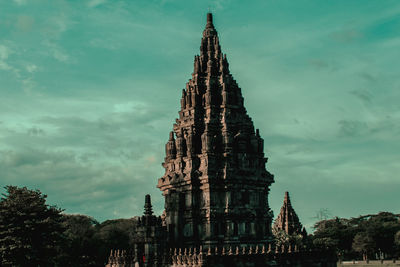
pixel 89 91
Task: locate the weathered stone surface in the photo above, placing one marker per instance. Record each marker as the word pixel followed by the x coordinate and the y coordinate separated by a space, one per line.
pixel 215 183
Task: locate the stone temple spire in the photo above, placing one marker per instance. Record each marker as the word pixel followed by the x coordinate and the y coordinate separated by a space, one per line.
pixel 287 219
pixel 209 21
pixel 148 208
pixel 215 183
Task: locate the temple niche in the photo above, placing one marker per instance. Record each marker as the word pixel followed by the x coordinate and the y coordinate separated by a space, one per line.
pixel 219 191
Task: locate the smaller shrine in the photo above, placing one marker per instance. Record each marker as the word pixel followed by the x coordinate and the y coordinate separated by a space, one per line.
pixel 287 219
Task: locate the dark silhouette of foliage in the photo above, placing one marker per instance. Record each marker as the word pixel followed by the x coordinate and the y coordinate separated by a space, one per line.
pixel 30 230
pixel 364 244
pixel 397 243
pixel 32 233
pixel 363 236
pixel 383 228
pixel 88 243
pixel 81 246
pixel 115 234
pixel 334 234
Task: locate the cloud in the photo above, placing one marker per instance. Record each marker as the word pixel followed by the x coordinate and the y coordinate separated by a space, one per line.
pixel 57 25
pixel 103 184
pixel 32 157
pixel 106 44
pixel 217 5
pixel 56 51
pixel 58 173
pixel 35 131
pixel 4 54
pixel 95 3
pixel 352 128
pixel 31 68
pixel 129 107
pixel 391 42
pixel 111 157
pixel 59 54
pixel 323 64
pixel 53 32
pixel 25 23
pixel 363 95
pixel 347 36
pixel 20 2
pixel 367 76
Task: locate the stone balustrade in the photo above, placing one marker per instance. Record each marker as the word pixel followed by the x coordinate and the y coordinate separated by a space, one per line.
pixel 224 256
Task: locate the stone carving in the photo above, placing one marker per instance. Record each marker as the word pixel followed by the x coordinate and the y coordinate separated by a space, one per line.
pixel 170 147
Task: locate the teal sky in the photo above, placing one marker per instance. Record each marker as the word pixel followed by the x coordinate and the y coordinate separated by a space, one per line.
pixel 89 91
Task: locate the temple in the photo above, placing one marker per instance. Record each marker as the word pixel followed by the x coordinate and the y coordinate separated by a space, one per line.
pixel 287 219
pixel 215 184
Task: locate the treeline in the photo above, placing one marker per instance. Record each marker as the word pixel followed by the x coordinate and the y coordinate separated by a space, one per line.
pixel 88 243
pixel 374 236
pixel 33 233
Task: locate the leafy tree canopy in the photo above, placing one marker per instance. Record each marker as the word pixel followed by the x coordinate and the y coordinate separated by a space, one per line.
pixel 80 247
pixel 363 235
pixel 30 230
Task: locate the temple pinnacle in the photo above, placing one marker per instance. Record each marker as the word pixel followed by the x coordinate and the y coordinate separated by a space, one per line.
pixel 209 21
pixel 148 209
pixel 287 198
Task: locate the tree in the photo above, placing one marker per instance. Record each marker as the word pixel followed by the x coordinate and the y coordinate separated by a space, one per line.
pixel 382 228
pixel 364 243
pixel 334 234
pixel 397 241
pixel 281 237
pixel 367 234
pixel 284 239
pixel 80 247
pixel 30 230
